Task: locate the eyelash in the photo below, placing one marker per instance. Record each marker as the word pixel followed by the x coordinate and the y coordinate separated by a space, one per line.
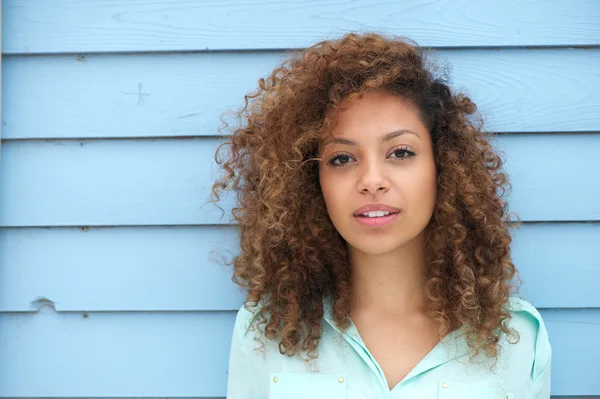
pixel 339 155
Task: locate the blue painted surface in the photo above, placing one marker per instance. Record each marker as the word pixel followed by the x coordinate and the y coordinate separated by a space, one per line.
pixel 140 304
pixel 180 268
pixel 167 181
pixel 185 353
pixel 113 95
pixel 118 269
pixel 37 26
pixel 114 354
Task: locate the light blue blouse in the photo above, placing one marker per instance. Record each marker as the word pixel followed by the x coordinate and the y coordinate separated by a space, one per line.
pixel 346 369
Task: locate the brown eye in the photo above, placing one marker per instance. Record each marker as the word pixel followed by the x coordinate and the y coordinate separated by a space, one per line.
pixel 403 153
pixel 340 160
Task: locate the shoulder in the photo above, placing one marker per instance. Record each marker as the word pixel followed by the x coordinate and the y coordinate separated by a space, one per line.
pixel 534 345
pixel 245 318
pixel 524 315
pixel 526 319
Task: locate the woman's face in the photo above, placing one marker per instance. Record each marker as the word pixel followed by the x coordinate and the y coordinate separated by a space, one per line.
pixel 377 174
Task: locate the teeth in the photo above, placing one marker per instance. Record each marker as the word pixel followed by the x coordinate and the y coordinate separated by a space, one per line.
pixel 375 214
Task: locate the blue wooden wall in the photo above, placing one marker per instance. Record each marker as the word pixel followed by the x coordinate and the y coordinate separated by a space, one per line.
pixel 110 277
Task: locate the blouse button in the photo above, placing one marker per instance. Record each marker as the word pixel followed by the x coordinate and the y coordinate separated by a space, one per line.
pixel 275 379
pixel 341 379
pixel 444 385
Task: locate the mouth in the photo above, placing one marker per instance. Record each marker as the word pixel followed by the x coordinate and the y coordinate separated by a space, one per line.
pixel 376 218
pixel 375 214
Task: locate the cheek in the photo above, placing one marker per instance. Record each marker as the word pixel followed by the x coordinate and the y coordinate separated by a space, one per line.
pixel 325 184
pixel 421 189
pixel 429 188
pixel 333 192
pixel 327 188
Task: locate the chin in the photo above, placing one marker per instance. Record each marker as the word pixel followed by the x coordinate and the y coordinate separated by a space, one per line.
pixel 375 245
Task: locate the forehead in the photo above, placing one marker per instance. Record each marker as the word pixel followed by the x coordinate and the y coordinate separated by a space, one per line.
pixel 373 115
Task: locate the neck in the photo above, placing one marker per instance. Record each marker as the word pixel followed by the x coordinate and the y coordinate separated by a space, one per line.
pixel 392 283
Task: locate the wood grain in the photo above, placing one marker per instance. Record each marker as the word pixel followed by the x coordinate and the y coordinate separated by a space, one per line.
pixel 150 95
pixel 114 26
pixel 184 268
pixel 167 354
pixel 167 181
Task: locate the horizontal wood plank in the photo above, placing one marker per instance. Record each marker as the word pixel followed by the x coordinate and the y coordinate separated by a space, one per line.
pixel 116 182
pixel 114 354
pixel 162 354
pixel 112 269
pixel 159 269
pixel 113 26
pixel 167 181
pixel 555 260
pixel 149 95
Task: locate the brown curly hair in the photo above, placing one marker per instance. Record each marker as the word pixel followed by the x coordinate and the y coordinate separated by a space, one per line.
pixel 291 254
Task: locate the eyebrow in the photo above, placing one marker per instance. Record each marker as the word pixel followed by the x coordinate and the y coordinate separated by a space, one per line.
pixel 384 139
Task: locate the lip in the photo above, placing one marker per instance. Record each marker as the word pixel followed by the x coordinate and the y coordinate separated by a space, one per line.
pixel 378 221
pixel 376 207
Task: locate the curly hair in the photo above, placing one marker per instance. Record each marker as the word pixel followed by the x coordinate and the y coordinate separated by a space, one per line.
pixel 291 254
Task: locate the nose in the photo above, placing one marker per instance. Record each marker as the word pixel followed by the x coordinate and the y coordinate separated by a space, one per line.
pixel 372 178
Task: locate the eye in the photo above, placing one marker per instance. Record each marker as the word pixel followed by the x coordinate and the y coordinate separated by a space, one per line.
pixel 340 160
pixel 402 153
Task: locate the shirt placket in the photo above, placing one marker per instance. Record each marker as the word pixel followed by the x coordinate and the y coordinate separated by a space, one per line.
pixel 354 339
pixel 434 359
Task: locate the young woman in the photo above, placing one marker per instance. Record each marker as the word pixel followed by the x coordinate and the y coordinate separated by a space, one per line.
pixel 374 240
